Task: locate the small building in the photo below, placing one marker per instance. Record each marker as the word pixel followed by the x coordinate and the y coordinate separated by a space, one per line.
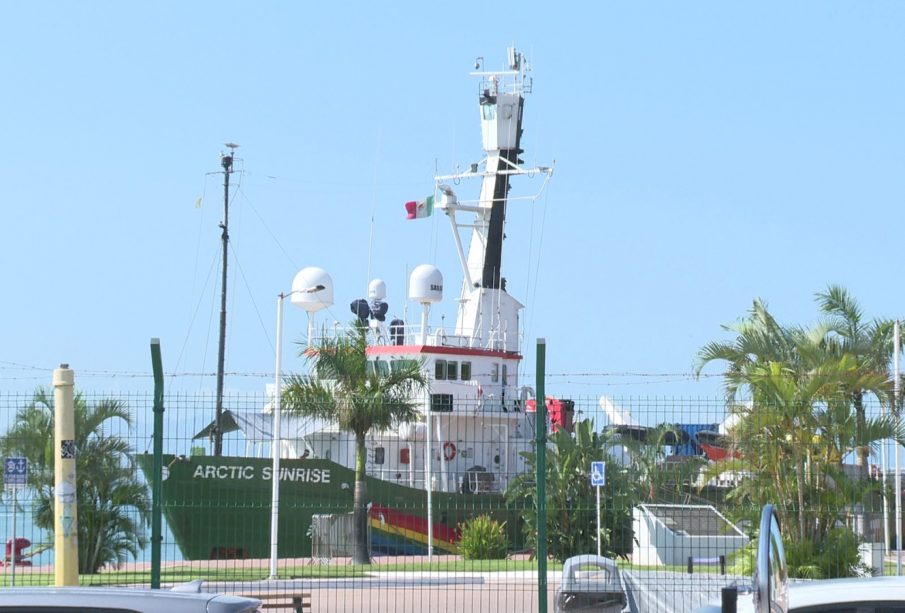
pixel 669 534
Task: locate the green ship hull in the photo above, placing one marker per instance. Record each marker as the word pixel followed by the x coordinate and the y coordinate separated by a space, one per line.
pixel 220 508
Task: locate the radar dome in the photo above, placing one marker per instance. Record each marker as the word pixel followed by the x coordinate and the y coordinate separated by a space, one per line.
pixel 426 284
pixel 312 289
pixel 377 290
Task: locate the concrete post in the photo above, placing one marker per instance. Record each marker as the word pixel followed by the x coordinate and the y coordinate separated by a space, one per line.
pixel 65 524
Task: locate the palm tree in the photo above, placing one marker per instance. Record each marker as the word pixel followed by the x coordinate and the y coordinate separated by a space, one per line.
pixel 113 508
pixel 359 399
pixel 790 437
pixel 571 504
pixel 870 342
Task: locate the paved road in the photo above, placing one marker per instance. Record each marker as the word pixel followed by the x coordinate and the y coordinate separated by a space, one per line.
pixel 389 592
pixel 411 592
pixel 670 592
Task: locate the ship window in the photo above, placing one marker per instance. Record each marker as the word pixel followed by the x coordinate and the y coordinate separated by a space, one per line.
pixel 383 368
pixel 489 111
pixel 505 375
pixel 442 403
pixel 369 368
pixel 379 455
pixel 440 370
pixel 466 371
pixel 452 370
pixel 495 372
pixel 397 365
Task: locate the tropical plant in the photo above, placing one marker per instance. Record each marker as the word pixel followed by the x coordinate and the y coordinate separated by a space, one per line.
pixel 571 501
pixel 869 342
pixel 113 507
pixel 483 538
pixel 651 473
pixel 795 428
pixel 343 389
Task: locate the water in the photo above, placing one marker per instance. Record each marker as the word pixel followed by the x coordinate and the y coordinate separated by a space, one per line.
pixel 25 528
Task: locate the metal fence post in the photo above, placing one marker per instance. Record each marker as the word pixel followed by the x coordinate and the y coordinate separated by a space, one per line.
pixel 540 439
pixel 157 482
pixel 66 527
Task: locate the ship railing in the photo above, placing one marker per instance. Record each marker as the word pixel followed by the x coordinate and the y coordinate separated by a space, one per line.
pixel 383 333
pixel 455 481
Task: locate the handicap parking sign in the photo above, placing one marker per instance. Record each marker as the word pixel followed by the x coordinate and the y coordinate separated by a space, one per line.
pixel 15 472
pixel 598 474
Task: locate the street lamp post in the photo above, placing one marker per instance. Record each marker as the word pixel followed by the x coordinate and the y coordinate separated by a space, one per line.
pixel 312 290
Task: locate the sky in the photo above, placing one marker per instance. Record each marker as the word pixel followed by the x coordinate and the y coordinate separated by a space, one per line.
pixel 706 154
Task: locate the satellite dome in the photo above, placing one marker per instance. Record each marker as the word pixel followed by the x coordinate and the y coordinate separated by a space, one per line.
pixel 312 289
pixel 377 290
pixel 426 284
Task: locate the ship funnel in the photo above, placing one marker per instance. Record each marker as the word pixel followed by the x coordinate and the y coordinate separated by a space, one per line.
pixel 312 289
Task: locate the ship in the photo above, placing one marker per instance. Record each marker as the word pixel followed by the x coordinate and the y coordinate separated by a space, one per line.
pixel 426 478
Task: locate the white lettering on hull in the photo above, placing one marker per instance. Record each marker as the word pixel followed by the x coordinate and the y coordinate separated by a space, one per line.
pixel 298 474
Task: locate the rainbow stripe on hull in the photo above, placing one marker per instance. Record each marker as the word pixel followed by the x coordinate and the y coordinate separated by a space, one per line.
pixel 397 526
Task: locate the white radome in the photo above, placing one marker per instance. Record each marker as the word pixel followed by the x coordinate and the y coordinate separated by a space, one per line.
pixel 426 284
pixel 312 289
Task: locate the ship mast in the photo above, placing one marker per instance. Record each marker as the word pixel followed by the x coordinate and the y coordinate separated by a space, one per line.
pixel 488 315
pixel 226 161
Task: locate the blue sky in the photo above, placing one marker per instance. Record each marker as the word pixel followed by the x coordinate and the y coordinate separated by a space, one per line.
pixel 706 154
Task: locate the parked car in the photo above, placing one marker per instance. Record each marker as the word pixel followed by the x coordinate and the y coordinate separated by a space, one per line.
pixel 772 592
pixel 119 600
pixel 851 595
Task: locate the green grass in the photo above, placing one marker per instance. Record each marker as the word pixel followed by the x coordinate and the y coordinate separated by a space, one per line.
pixel 236 571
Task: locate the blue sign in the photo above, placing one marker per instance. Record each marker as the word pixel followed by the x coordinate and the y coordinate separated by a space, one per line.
pixel 598 474
pixel 15 472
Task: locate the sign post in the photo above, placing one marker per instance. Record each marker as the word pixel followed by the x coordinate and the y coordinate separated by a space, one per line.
pixel 15 476
pixel 598 479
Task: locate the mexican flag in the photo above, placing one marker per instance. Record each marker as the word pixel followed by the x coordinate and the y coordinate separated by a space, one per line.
pixel 417 210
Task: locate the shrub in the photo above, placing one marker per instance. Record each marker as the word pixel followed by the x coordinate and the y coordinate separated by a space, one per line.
pixel 836 556
pixel 483 538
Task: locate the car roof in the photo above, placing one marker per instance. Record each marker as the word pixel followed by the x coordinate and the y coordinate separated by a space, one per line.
pixel 122 599
pixel 840 591
pixel 825 592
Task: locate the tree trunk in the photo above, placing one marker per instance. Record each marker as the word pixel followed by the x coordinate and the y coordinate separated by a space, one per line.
pixel 359 504
pixel 863 453
pixel 799 481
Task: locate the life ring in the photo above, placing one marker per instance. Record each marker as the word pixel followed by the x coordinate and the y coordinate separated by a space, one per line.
pixel 449 451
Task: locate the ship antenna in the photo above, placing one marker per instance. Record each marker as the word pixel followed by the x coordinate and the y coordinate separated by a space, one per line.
pixel 226 161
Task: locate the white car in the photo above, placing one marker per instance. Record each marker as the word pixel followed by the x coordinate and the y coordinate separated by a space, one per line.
pixel 119 600
pixel 771 591
pixel 852 595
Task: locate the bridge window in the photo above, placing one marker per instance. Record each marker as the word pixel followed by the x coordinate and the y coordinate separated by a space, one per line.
pixel 440 370
pixel 397 365
pixel 378 367
pixel 383 368
pixel 466 371
pixel 442 403
pixel 495 373
pixel 452 370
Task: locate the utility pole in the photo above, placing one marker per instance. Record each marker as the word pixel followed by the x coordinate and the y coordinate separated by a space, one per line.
pixel 226 161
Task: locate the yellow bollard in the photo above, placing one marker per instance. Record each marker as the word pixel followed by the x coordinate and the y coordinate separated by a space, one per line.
pixel 65 520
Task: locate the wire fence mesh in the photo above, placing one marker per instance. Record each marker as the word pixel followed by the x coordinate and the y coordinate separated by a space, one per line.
pixel 679 496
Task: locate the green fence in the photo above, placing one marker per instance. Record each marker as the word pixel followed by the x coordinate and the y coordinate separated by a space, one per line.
pixel 684 482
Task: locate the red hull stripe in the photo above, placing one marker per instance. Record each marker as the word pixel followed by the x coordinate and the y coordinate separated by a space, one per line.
pixel 418 349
